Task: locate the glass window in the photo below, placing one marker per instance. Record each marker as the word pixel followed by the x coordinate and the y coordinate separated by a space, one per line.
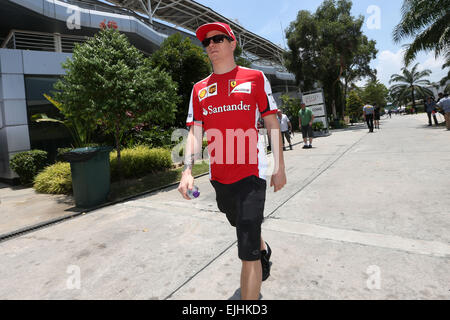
pixel 44 135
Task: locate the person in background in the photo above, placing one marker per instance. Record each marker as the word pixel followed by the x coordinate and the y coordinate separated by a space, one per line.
pixel 444 104
pixel 376 116
pixel 430 108
pixel 305 120
pixel 285 127
pixel 368 111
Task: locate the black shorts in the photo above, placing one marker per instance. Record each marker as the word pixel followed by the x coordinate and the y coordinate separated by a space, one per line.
pixel 307 132
pixel 243 204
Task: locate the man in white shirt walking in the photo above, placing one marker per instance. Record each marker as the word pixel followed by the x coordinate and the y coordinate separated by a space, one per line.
pixel 285 127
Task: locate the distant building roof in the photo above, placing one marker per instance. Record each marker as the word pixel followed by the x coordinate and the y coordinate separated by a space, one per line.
pixel 189 15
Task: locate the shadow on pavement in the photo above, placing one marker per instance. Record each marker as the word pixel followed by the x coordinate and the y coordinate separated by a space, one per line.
pixel 357 126
pixel 433 127
pixel 237 295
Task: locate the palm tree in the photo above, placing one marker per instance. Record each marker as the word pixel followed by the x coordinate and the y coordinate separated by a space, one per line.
pixel 429 22
pixel 410 83
pixel 446 79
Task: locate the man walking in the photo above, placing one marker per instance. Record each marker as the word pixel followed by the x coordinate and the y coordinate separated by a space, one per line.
pixel 376 116
pixel 305 121
pixel 227 105
pixel 444 104
pixel 430 108
pixel 285 127
pixel 368 111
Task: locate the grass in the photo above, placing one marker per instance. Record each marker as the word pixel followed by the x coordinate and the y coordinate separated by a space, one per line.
pixel 131 187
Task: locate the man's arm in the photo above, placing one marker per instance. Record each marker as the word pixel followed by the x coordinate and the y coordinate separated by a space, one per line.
pixel 193 151
pixel 278 179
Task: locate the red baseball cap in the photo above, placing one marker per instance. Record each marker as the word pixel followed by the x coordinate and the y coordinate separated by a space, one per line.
pixel 219 26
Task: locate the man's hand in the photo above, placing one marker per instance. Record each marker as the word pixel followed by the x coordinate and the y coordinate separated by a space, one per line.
pixel 186 183
pixel 278 180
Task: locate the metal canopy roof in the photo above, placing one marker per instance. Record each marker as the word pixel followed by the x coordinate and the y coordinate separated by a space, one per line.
pixel 190 15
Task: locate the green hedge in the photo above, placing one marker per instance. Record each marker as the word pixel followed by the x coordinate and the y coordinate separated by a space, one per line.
pixel 55 179
pixel 28 164
pixel 136 162
pixel 140 161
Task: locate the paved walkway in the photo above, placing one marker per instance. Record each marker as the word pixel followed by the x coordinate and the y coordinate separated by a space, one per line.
pixel 23 207
pixel 363 216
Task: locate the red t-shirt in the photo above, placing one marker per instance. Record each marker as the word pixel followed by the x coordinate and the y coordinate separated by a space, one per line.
pixel 228 107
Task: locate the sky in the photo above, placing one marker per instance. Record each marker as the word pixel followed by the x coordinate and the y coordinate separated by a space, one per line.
pixel 269 19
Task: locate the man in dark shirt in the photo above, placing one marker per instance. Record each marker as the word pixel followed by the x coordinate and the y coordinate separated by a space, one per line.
pixel 430 108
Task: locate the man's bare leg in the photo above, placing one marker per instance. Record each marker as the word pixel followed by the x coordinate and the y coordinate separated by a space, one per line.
pixel 251 279
pixel 263 245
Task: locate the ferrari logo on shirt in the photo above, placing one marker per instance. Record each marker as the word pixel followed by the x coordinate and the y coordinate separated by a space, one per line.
pixel 237 86
pixel 207 92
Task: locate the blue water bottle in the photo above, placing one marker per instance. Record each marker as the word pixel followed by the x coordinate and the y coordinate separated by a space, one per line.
pixel 194 193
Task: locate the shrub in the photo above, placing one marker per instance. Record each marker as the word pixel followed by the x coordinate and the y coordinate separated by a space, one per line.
pixel 154 137
pixel 28 164
pixel 317 126
pixel 55 179
pixel 291 107
pixel 111 85
pixel 354 106
pixel 140 161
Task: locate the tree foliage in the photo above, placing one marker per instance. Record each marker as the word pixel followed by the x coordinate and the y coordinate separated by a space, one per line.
pixel 241 61
pixel 329 48
pixel 410 85
pixel 291 107
pixel 428 23
pixel 109 83
pixel 187 64
pixel 374 92
pixel 354 106
pixel 446 78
